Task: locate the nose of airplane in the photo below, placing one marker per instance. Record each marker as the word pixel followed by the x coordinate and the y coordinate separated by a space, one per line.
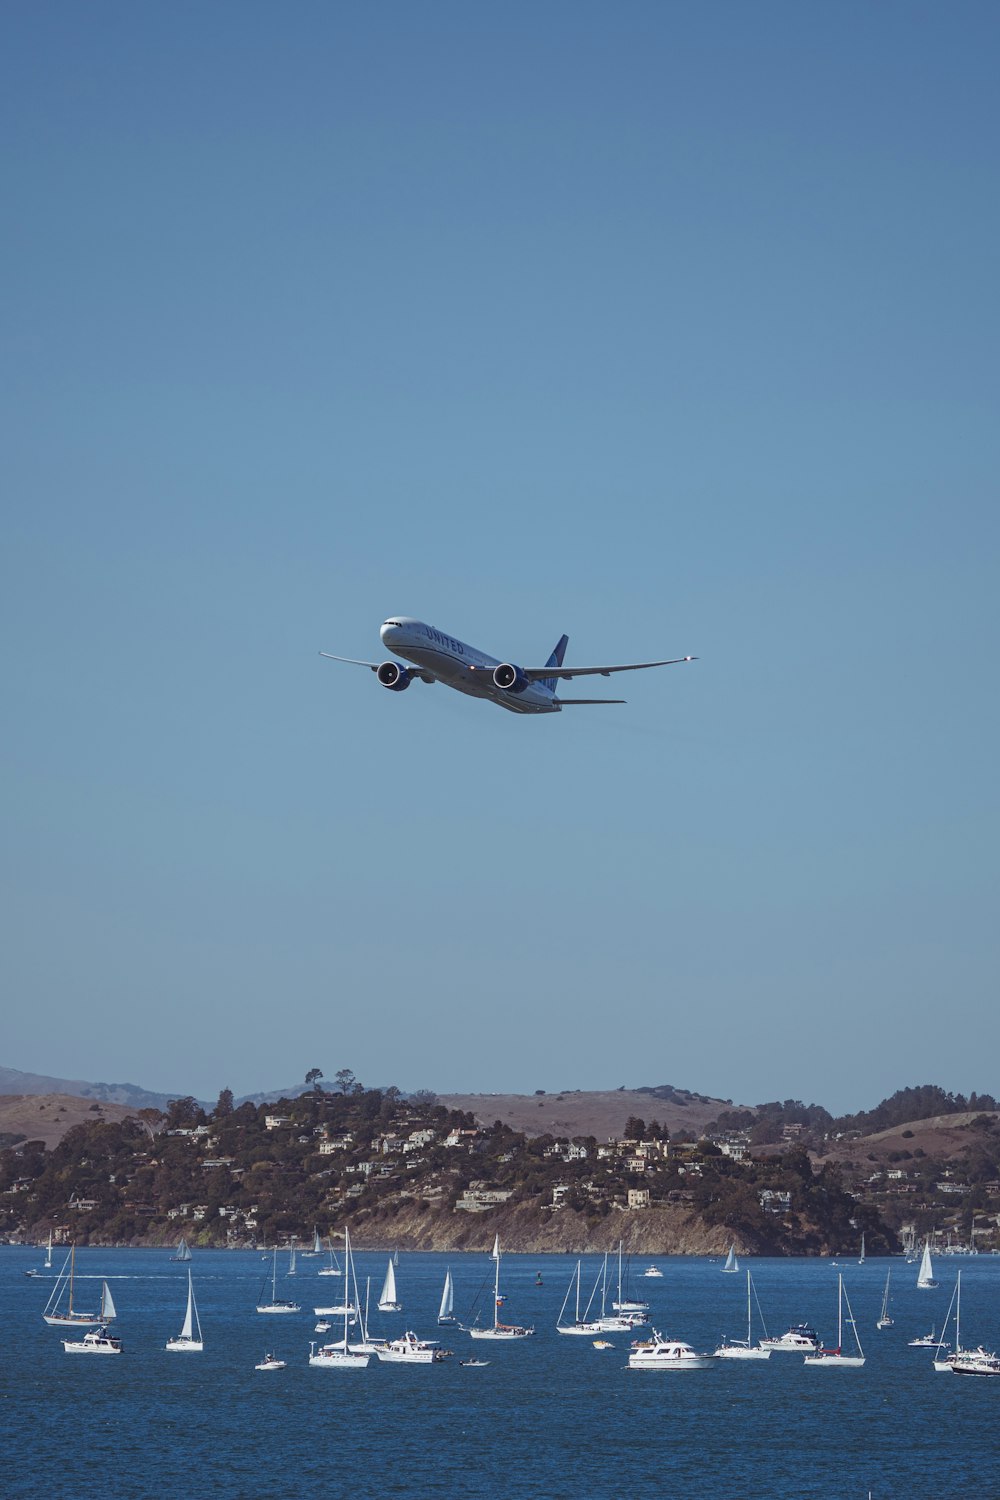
pixel 389 633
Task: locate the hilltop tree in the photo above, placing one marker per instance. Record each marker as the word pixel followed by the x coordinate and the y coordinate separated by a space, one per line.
pixel 312 1079
pixel 345 1080
pixel 224 1104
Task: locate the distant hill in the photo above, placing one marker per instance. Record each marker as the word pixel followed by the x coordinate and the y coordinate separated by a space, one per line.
pixel 14 1082
pixel 47 1117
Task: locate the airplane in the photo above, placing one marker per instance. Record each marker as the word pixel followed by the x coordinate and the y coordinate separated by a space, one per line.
pixel 436 656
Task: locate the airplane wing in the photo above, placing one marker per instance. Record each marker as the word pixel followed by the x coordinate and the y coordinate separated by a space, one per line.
pixel 352 661
pixel 536 674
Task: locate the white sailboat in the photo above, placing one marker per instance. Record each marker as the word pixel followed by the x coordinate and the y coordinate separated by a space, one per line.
pixel 446 1312
pixel 388 1301
pixel 861 1257
pixel 925 1276
pixel 836 1358
pixel 745 1348
pixel 317 1247
pixel 619 1322
pixel 333 1269
pixel 339 1356
pixel 732 1264
pixel 189 1339
pixel 942 1358
pixel 884 1319
pixel 499 1330
pixel 291 1259
pixel 48 1254
pixel 183 1251
pixel 71 1317
pixel 625 1303
pixel 580 1325
pixel 277 1304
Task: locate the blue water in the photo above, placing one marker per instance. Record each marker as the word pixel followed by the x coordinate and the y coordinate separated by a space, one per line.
pixel 548 1417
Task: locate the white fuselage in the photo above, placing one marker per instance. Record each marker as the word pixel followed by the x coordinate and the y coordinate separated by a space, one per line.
pixel 451 661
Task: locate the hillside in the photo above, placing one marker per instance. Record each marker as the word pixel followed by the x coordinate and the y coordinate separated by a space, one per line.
pixel 47 1117
pixel 591 1112
pixel 12 1081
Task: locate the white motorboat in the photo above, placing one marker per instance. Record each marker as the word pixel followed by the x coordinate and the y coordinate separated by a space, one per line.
pixel 97 1341
pixel 925 1341
pixel 409 1350
pixel 270 1362
pixel 277 1304
pixel 745 1348
pixel 659 1353
pixel 652 1271
pixel 508 1331
pixel 189 1339
pixel 836 1358
pixel 978 1361
pixel 799 1339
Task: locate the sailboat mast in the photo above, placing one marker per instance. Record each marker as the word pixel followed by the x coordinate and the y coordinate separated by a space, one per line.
pixel 958 1314
pixel 840 1312
pixel 496 1290
pixel 72 1265
pixel 748 1309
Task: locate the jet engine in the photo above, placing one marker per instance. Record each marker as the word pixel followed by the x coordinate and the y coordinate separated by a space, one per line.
pixel 510 678
pixel 392 676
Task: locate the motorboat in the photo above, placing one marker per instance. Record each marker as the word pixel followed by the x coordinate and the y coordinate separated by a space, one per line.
pixel 269 1362
pixel 925 1341
pixel 659 1353
pixel 97 1341
pixel 407 1349
pixel 799 1339
pixel 975 1362
pixel 652 1271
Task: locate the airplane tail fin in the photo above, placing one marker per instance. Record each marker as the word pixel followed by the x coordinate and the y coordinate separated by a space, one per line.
pixel 555 660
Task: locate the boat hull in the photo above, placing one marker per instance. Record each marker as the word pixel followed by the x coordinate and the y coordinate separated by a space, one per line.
pixel 740 1351
pixel 181 1345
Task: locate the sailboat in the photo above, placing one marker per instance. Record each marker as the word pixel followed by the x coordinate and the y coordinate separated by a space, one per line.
pixel 744 1348
pixel 925 1276
pixel 884 1319
pixel 387 1301
pixel 277 1304
pixel 499 1330
pixel 339 1356
pixel 48 1254
pixel 619 1322
pixel 70 1318
pixel 333 1269
pixel 183 1251
pixel 626 1304
pixel 580 1325
pixel 446 1312
pixel 861 1257
pixel 317 1247
pixel 291 1259
pixel 966 1361
pixel 732 1264
pixel 836 1357
pixel 187 1339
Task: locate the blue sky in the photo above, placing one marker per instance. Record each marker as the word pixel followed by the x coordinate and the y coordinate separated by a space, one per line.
pixel 673 327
